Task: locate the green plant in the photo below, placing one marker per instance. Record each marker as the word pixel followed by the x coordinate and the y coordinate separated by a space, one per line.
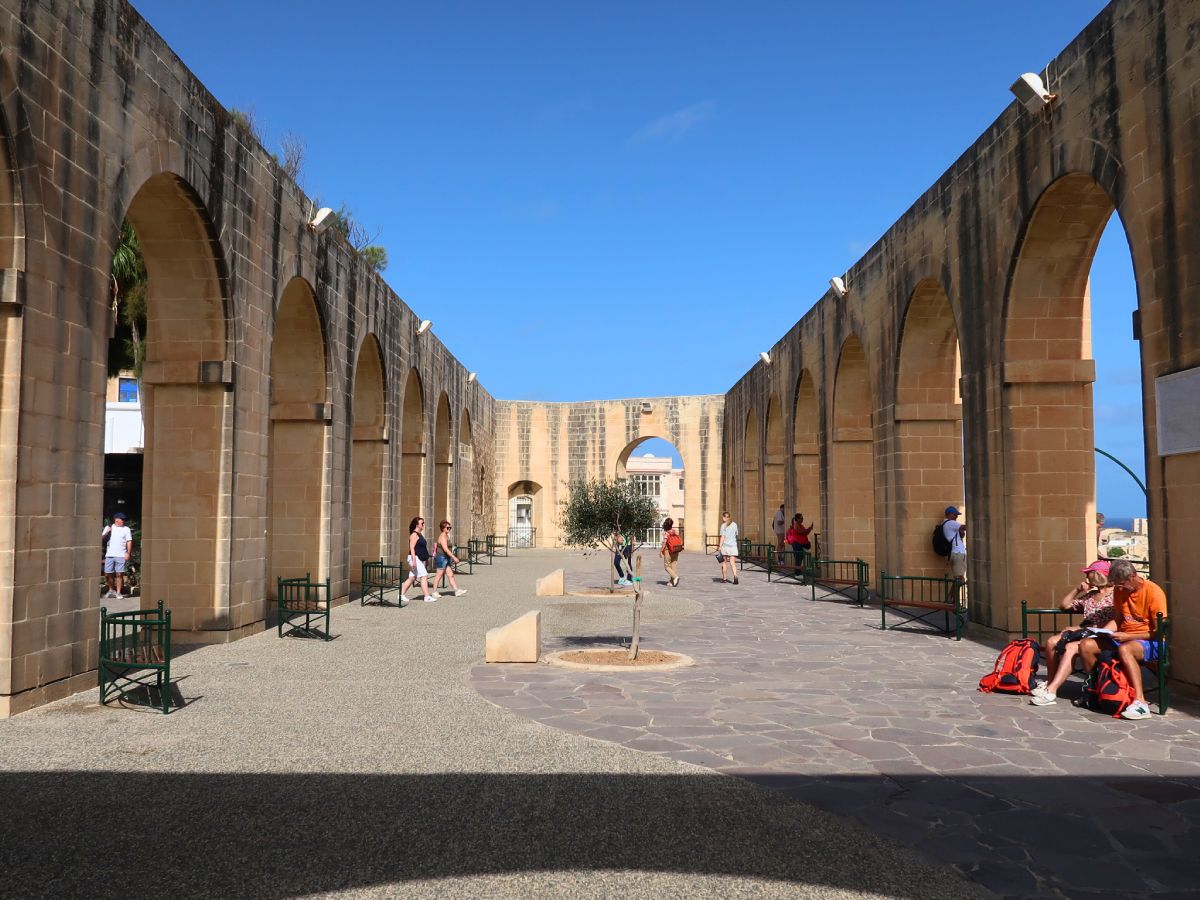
pixel 1115 552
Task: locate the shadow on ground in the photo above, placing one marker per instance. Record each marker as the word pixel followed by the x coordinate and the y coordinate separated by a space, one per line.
pixel 101 834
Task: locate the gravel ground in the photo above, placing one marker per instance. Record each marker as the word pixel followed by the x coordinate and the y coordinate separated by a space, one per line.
pixel 368 766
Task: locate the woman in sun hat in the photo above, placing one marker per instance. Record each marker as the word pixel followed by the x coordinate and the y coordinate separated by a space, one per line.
pixel 1094 598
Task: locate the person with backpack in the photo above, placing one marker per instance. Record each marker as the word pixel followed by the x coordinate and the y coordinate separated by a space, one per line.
pixel 797 538
pixel 1137 602
pixel 418 555
pixel 672 546
pixel 949 540
pixel 1092 597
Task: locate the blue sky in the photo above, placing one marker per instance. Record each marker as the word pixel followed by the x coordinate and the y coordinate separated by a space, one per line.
pixel 597 200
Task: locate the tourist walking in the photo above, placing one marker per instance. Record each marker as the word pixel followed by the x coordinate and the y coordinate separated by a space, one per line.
pixel 797 538
pixel 727 551
pixel 444 559
pixel 116 555
pixel 779 526
pixel 956 533
pixel 418 555
pixel 622 554
pixel 669 551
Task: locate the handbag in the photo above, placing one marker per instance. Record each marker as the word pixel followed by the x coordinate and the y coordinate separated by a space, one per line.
pixel 720 557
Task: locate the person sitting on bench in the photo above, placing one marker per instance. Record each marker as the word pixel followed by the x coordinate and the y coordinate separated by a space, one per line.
pixel 1093 598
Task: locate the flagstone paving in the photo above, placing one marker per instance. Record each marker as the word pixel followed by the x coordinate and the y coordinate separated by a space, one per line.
pixel 813 699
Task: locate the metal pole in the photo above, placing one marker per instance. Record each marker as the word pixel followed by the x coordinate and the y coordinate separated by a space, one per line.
pixel 1132 474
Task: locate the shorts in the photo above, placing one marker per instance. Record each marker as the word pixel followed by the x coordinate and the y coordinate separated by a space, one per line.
pixel 1149 651
pixel 958 565
pixel 440 561
pixel 114 565
pixel 417 567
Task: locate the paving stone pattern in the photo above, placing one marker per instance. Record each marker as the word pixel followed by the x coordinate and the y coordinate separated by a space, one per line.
pixel 811 698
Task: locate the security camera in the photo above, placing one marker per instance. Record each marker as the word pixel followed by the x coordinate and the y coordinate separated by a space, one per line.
pixel 322 220
pixel 839 286
pixel 1032 93
pixel 424 327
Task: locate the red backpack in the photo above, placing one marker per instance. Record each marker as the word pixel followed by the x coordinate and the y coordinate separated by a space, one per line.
pixel 1107 689
pixel 674 542
pixel 1015 669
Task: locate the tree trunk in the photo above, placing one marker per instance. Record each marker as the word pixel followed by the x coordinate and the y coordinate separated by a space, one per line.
pixel 637 611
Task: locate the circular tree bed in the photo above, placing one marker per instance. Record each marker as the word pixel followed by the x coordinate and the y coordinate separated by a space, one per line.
pixel 602 659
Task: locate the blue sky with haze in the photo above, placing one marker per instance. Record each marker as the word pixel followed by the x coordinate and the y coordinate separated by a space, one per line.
pixel 596 200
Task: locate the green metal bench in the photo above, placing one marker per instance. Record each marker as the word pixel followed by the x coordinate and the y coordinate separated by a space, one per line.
pixel 1060 619
pixel 847 577
pixel 754 555
pixel 296 597
pixel 781 569
pixel 497 545
pixel 712 543
pixel 916 598
pixel 378 578
pixel 480 552
pixel 465 565
pixel 135 651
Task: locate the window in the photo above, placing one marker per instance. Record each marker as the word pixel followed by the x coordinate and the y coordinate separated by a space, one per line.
pixel 681 483
pixel 127 390
pixel 648 485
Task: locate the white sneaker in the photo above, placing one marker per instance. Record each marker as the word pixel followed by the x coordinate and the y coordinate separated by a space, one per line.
pixel 432 598
pixel 1045 698
pixel 460 592
pixel 112 595
pixel 403 600
pixel 1139 709
pixel 1039 689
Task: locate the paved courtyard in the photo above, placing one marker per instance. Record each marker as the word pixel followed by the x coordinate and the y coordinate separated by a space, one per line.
pixel 889 729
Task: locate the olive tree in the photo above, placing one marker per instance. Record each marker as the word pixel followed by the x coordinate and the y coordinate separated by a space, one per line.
pixel 595 511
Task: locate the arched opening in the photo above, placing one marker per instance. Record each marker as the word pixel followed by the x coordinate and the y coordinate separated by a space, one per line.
pixel 806 458
pixel 929 439
pixel 1049 423
pixel 180 381
pixel 774 463
pixel 443 460
pixel 524 513
pixel 368 459
pixel 297 495
pixel 412 451
pixel 750 520
pixel 466 500
pixel 851 459
pixel 655 466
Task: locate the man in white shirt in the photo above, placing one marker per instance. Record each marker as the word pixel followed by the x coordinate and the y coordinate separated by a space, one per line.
pixel 779 526
pixel 120 545
pixel 956 533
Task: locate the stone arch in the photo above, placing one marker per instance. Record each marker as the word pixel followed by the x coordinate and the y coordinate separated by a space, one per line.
pixel 412 448
pixel 928 455
pixel 297 488
pixel 525 513
pixel 187 408
pixel 443 460
pixel 806 454
pixel 851 458
pixel 750 518
pixel 673 498
pixel 1048 423
pixel 368 456
pixel 464 522
pixel 774 461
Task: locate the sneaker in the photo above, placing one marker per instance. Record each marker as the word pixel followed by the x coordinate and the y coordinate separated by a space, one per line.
pixel 112 595
pixel 460 592
pixel 432 598
pixel 1041 689
pixel 404 601
pixel 1045 698
pixel 1139 709
pixel 674 582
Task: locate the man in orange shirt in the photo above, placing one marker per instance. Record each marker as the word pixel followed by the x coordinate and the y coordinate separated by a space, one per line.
pixel 1137 601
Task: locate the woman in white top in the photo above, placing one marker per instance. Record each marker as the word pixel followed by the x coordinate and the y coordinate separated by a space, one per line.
pixel 727 553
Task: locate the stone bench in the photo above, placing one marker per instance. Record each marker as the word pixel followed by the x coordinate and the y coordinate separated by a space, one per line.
pixel 520 641
pixel 552 585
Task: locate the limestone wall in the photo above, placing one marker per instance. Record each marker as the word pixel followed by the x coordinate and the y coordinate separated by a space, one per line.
pixel 542 446
pixel 862 411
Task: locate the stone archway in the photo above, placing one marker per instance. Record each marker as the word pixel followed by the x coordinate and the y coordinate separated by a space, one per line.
pixel 774 464
pixel 851 459
pixel 465 499
pixel 806 459
pixel 297 491
pixel 750 519
pixel 412 451
pixel 443 460
pixel 368 458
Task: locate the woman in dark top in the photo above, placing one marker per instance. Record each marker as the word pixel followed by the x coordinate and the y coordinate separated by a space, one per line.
pixel 418 555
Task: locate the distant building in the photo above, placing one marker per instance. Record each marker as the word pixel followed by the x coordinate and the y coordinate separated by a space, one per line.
pixel 657 477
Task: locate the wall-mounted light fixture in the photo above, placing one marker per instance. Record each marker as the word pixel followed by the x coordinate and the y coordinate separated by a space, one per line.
pixel 322 220
pixel 1032 93
pixel 839 286
pixel 470 378
pixel 424 327
pixel 765 357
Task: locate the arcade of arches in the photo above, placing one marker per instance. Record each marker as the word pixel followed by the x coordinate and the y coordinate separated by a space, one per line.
pixel 295 421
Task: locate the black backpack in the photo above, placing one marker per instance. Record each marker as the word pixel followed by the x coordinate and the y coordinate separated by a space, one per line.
pixel 941 546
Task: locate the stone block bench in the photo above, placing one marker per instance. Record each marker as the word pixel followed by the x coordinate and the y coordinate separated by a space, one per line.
pixel 552 585
pixel 520 641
